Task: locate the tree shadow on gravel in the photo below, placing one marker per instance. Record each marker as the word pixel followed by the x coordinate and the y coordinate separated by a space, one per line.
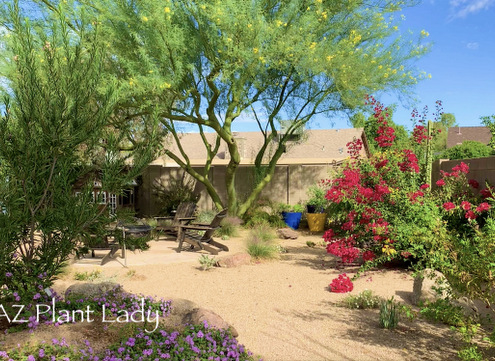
pixel 317 258
pixel 416 340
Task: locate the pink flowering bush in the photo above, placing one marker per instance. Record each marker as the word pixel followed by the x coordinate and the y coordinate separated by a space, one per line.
pixel 383 210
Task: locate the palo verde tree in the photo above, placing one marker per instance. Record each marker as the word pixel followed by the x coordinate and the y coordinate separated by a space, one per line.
pixel 209 63
pixel 55 131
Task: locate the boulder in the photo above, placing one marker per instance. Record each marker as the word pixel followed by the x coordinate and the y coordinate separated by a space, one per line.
pixel 201 315
pixel 235 260
pixel 184 312
pixel 84 290
pixel 287 233
pixel 468 306
pixel 428 286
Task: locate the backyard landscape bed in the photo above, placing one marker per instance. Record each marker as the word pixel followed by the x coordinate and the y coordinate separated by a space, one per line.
pixel 282 309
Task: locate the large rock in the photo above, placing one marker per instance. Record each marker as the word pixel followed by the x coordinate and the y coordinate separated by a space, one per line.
pixel 429 286
pixel 468 306
pixel 184 312
pixel 88 290
pixel 235 260
pixel 433 285
pixel 287 233
pixel 201 315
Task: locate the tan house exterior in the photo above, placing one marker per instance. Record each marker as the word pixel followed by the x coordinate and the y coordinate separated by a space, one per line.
pixel 306 161
pixel 457 135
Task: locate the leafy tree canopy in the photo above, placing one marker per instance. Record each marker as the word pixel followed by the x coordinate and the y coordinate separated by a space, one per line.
pixel 468 149
pixel 209 63
pixel 56 134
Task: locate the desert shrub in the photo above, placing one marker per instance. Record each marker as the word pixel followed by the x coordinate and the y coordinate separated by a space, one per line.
pixel 264 212
pixel 442 310
pixel 229 227
pixel 207 262
pixel 262 250
pixel 205 216
pixel 263 233
pixel 259 243
pixel 55 350
pixel 175 191
pixel 193 343
pixel 87 276
pixel 54 121
pixel 363 300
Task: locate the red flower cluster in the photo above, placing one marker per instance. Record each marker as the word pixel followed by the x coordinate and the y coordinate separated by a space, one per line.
pixel 343 249
pixel 483 207
pixel 463 168
pixel 470 215
pixel 413 196
pixel 420 133
pixel 466 205
pixel 354 148
pixel 460 168
pixel 440 182
pixel 341 284
pixel 368 256
pixel 448 206
pixel 385 134
pixel 474 183
pixel 487 193
pixel 410 163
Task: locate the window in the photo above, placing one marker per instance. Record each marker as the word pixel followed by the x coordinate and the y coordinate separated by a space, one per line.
pixel 112 203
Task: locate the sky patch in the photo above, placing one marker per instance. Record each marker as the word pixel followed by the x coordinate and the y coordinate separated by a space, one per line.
pixel 464 8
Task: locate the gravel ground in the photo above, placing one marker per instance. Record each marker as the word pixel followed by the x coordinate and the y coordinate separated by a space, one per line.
pixel 282 309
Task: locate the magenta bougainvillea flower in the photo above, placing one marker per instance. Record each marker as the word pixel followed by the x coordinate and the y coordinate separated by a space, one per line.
pixel 341 284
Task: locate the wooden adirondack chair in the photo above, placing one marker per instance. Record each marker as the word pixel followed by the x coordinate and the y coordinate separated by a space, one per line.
pixel 183 215
pixel 205 241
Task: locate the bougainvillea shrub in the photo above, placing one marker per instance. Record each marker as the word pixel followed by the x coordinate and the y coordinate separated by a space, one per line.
pixel 384 209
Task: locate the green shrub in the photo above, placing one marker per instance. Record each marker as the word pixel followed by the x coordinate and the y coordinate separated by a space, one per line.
pixel 470 353
pixel 87 276
pixel 261 217
pixel 468 149
pixel 174 192
pixel 364 300
pixel 389 314
pixel 316 194
pixel 132 242
pixel 262 250
pixel 264 212
pixel 207 262
pixel 442 310
pixel 205 216
pixel 229 227
pixel 259 243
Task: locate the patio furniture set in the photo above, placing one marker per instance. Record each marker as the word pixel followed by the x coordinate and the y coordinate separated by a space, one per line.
pixel 199 236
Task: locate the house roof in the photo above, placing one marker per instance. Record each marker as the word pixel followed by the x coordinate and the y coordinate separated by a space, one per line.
pixel 457 135
pixel 315 147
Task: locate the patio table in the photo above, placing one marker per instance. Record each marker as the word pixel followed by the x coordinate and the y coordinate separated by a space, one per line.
pixel 127 230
